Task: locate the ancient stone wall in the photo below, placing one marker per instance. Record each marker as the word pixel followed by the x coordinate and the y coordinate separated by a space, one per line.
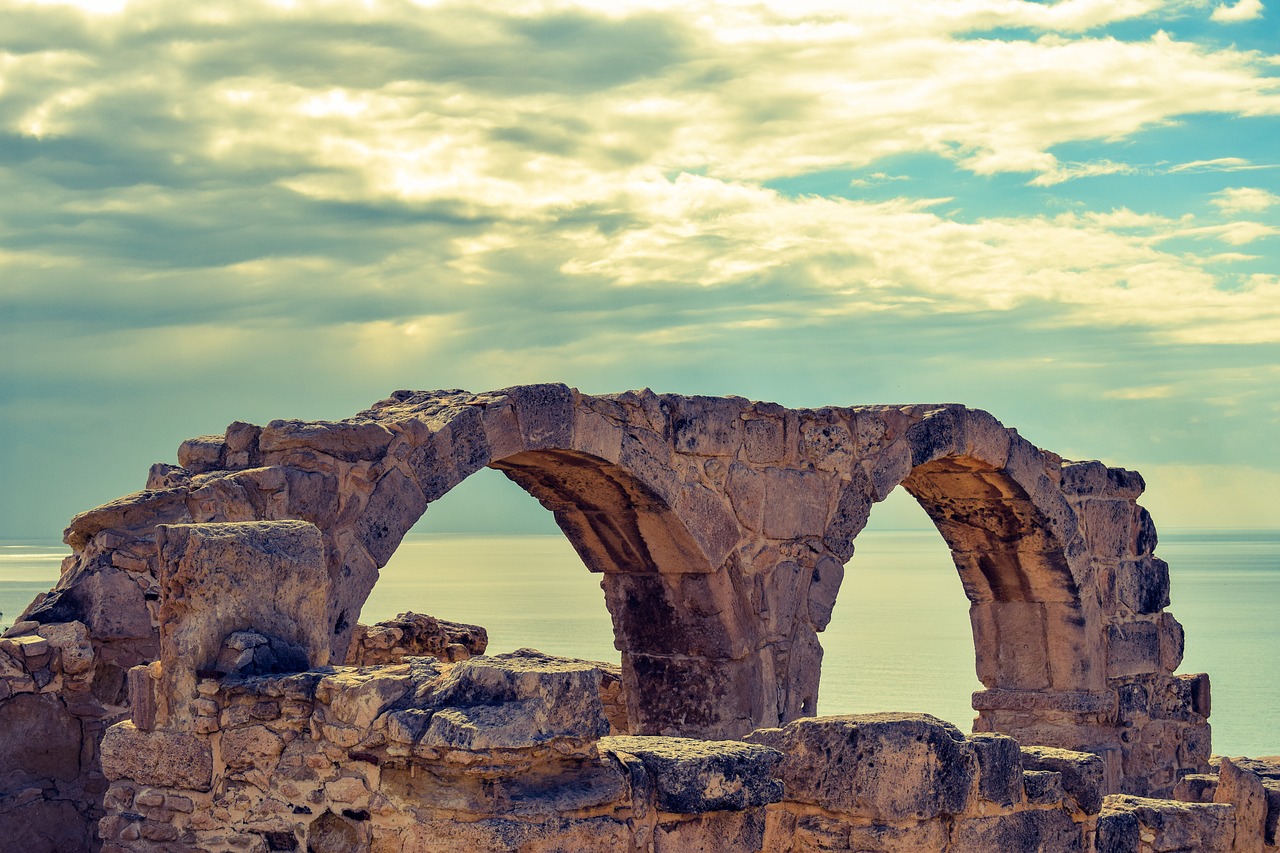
pixel 720 527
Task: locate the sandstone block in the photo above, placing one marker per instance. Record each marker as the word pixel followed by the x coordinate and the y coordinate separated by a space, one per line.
pixel 1050 829
pixel 1043 787
pixel 167 759
pixel 348 440
pixel 1082 773
pixel 1000 774
pixel 516 701
pixel 1245 791
pixel 1133 648
pixel 713 832
pixel 216 579
pixel 1166 825
pixel 697 776
pixel 888 767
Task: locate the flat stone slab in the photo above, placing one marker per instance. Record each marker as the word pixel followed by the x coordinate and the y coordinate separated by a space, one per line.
pixel 695 776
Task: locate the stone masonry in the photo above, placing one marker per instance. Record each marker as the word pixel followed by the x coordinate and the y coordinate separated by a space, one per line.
pixel 719 526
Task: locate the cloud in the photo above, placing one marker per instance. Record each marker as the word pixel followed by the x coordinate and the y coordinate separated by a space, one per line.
pixel 1218 164
pixel 1243 10
pixel 1244 200
pixel 1060 173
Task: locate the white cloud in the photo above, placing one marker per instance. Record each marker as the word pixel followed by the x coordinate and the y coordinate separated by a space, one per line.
pixel 1218 164
pixel 1070 171
pixel 1244 200
pixel 1243 10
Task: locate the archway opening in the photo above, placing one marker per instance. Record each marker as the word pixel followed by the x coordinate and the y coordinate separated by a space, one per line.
pixel 488 554
pixel 900 637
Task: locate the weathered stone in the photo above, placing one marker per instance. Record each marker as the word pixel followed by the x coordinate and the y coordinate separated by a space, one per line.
pixel 888 766
pixel 167 758
pixel 1165 825
pixel 394 506
pixel 1245 792
pixel 695 776
pixel 1043 787
pixel 1031 830
pixel 350 441
pixel 1082 773
pixel 827 576
pixel 213 578
pixel 515 701
pixel 1000 774
pixel 38 740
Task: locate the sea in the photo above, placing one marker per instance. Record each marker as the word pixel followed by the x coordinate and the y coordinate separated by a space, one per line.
pixel 899 638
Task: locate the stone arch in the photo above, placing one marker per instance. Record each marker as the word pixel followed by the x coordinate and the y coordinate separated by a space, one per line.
pixel 1066 596
pixel 720 527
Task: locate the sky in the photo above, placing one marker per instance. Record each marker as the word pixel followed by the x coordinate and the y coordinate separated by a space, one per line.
pixel 1065 213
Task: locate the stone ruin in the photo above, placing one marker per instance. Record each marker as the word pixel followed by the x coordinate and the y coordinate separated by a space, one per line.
pixel 197 680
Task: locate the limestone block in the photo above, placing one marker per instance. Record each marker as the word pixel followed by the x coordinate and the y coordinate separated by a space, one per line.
pixel 394 506
pixel 1133 648
pixel 1165 825
pixel 1245 791
pixel 1143 585
pixel 1117 832
pixel 825 585
pixel 597 435
pixel 1272 788
pixel 706 426
pixel 698 776
pixel 1172 642
pixel 1000 774
pixel 713 832
pixel 887 468
pixel 131 512
pixel 696 614
pixel 108 601
pixel 1086 479
pixel 745 489
pixel 544 413
pixel 202 453
pixel 796 503
pixel 216 579
pixel 852 509
pixel 1082 773
pixel 765 439
pixel 221 498
pixel 890 767
pixel 1196 788
pixel 983 437
pixel 516 701
pixel 827 444
pixel 252 748
pixel 499 835
pixel 169 759
pixel 349 440
pixel 781 596
pixel 1043 787
pixel 312 496
pixel 39 739
pixel 935 436
pixel 1015 631
pixel 1050 829
pixel 710 523
pixel 697 696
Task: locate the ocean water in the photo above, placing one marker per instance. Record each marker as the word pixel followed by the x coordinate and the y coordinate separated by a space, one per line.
pixel 899 638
